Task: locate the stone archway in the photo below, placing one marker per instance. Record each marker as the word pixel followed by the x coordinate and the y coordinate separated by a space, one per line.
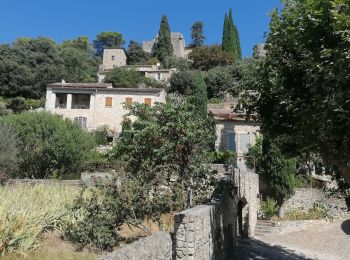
pixel 242 217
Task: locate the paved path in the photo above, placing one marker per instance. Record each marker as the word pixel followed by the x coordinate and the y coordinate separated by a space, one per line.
pixel 330 242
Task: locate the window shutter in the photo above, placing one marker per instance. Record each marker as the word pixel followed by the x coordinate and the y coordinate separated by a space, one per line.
pixel 108 101
pixel 128 101
pixel 148 101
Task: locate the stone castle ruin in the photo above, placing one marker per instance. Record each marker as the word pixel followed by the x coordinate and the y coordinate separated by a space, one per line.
pixel 177 40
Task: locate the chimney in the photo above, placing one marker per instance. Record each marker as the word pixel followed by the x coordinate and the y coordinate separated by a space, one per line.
pixel 63 81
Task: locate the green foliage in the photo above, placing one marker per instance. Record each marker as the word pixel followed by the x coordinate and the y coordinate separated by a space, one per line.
pixel 278 171
pixel 81 43
pixel 136 55
pixel 205 58
pixel 107 40
pixel 96 215
pixel 100 135
pixel 3 109
pixel 319 211
pixel 164 46
pixel 27 211
pixel 181 64
pixel 17 105
pixel 28 65
pixel 268 207
pixel 304 93
pixel 8 150
pixel 230 38
pixel 49 146
pixel 222 156
pixel 232 79
pixel 197 34
pixel 191 84
pixel 169 141
pixel 255 155
pixel 128 78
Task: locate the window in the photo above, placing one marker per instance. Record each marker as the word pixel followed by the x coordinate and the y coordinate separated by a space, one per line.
pixel 113 58
pixel 244 142
pixel 128 101
pixel 61 101
pixel 81 101
pixel 148 101
pixel 82 121
pixel 159 76
pixel 108 102
pixel 232 141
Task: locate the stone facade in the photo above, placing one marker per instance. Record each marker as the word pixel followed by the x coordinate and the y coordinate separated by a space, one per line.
pixel 177 40
pixel 155 247
pixel 114 57
pixel 94 105
pixel 233 131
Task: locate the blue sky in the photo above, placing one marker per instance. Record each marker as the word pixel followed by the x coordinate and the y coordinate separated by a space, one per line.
pixel 136 20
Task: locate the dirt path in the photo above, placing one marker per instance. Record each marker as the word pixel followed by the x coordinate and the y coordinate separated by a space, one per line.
pixel 330 242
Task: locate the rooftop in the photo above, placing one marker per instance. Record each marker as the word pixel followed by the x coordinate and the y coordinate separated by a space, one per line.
pixel 80 85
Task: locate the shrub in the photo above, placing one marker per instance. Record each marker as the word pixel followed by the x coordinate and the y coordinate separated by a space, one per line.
pixel 96 216
pixel 222 156
pixel 8 151
pixel 268 207
pixel 49 145
pixel 101 135
pixel 25 212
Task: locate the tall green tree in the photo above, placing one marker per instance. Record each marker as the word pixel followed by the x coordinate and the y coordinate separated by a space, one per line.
pixel 136 55
pixel 197 34
pixel 207 57
pixel 230 39
pixel 164 48
pixel 304 92
pixel 107 40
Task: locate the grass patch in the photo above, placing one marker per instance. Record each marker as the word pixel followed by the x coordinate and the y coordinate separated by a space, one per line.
pixel 26 212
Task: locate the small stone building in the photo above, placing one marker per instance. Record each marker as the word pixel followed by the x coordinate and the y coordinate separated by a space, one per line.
pixel 97 104
pixel 233 131
pixel 117 58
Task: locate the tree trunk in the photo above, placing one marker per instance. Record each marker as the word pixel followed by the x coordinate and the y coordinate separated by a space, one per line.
pixel 345 173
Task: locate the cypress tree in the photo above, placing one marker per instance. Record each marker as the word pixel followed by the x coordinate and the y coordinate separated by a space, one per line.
pixel 164 46
pixel 225 35
pixel 230 38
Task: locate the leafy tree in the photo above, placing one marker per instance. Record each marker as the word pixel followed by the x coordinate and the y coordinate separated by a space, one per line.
pixel 49 146
pixel 168 141
pixel 128 78
pixel 191 85
pixel 136 55
pixel 107 40
pixel 230 38
pixel 304 92
pixel 81 43
pixel 164 46
pixel 278 171
pixel 181 64
pixel 197 34
pixel 205 58
pixel 28 65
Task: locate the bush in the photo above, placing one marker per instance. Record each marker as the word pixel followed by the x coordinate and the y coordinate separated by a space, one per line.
pixel 268 207
pixel 25 212
pixel 97 214
pixel 222 156
pixel 49 146
pixel 101 135
pixel 8 151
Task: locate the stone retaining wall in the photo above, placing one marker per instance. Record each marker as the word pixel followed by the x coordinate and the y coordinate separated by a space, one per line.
pixel 49 182
pixel 155 247
pixel 206 231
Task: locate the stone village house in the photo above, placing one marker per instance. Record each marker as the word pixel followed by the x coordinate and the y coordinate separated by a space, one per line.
pixel 97 104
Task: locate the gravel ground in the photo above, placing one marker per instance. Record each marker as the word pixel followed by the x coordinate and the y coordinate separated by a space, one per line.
pixel 329 242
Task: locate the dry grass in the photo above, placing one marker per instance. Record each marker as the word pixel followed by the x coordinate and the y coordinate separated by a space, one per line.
pixel 25 212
